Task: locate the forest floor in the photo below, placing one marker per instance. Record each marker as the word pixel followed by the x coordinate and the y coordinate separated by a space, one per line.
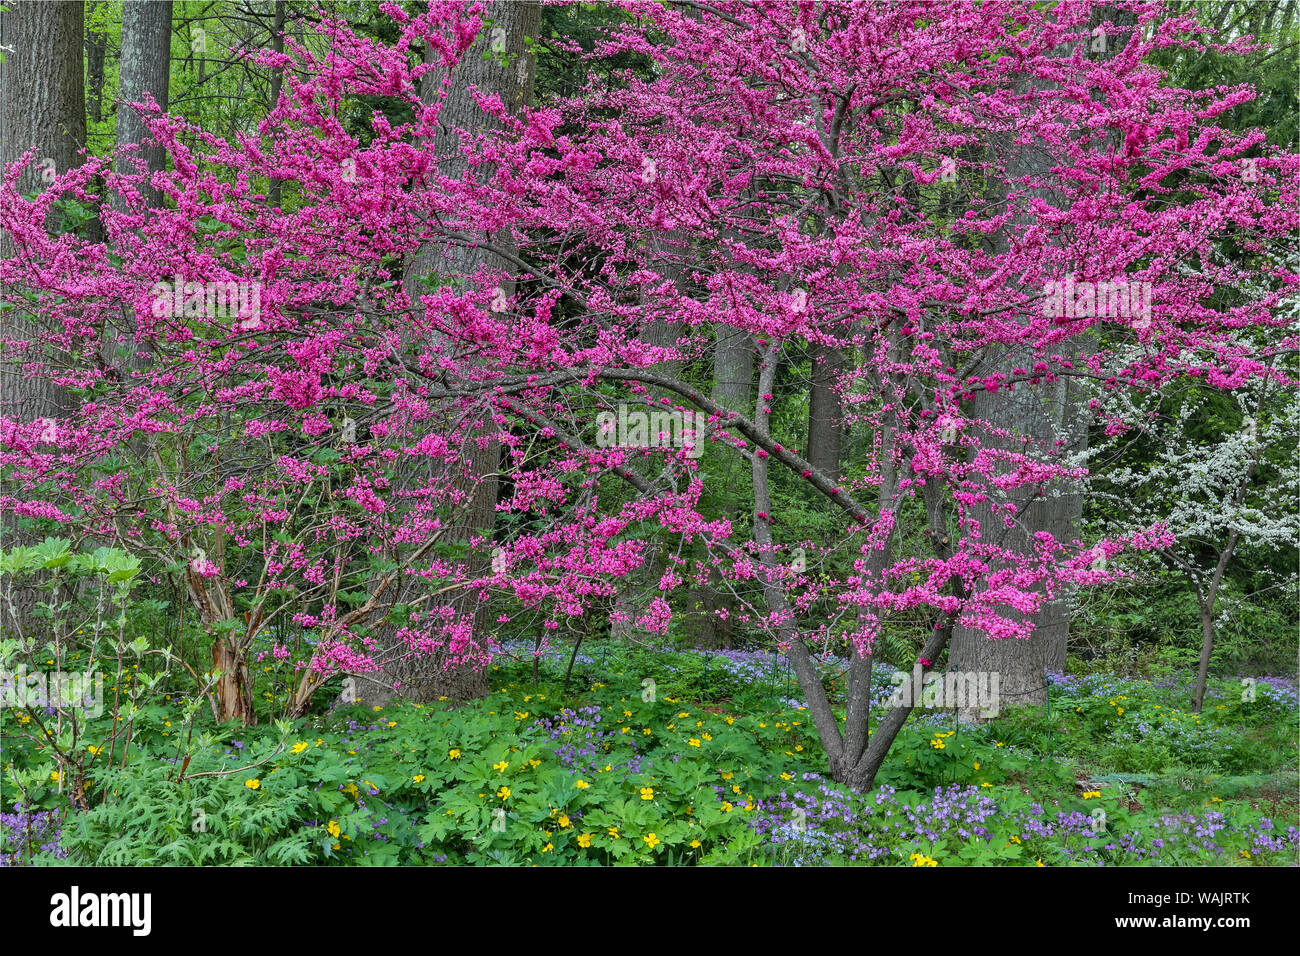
pixel 681 757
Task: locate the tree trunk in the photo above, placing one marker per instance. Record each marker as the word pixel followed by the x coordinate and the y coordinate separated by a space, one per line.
pixel 1020 663
pixel 634 592
pixel 96 48
pixel 234 689
pixel 42 107
pixel 1207 600
pixel 824 413
pixel 277 83
pixel 44 103
pixel 96 52
pixel 733 387
pixel 146 69
pixel 427 678
pixel 1023 664
pixel 1207 648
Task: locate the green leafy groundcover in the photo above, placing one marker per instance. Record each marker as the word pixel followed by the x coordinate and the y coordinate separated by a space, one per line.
pixel 613 774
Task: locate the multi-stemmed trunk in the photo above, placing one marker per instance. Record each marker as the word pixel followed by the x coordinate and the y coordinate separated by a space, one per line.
pixel 856 753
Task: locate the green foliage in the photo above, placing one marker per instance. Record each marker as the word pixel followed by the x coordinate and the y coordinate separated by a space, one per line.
pixel 612 774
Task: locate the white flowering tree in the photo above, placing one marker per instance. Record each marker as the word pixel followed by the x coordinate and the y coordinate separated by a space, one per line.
pixel 1219 468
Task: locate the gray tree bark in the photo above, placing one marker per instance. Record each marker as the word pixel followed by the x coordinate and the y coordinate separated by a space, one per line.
pixel 96 48
pixel 634 592
pixel 42 96
pixel 733 387
pixel 145 69
pixel 42 107
pixel 426 678
pixel 1036 417
pixel 824 412
pixel 1208 596
pixel 277 83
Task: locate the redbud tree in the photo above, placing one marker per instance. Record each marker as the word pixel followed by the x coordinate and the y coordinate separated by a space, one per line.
pixel 258 400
